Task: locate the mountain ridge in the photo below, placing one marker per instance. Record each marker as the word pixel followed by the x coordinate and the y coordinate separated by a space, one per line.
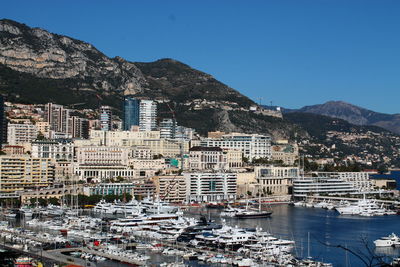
pixel 354 114
pixel 39 67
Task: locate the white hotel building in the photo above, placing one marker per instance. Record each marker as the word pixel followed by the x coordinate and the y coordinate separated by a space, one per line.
pixel 308 186
pixel 359 180
pixel 210 186
pixel 253 146
pixel 18 134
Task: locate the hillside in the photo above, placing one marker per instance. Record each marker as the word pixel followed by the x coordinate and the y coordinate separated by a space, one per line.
pixel 339 139
pixel 37 66
pixel 355 115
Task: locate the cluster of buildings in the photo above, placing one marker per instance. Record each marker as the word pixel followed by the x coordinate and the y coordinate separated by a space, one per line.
pixel 48 147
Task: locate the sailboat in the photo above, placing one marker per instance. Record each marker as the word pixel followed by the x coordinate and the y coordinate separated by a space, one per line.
pixel 253 213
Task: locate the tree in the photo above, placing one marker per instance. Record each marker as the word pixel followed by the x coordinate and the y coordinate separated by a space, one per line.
pixel 53 201
pixel 120 179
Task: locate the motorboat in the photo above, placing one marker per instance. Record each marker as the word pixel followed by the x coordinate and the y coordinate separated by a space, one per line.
pixel 392 240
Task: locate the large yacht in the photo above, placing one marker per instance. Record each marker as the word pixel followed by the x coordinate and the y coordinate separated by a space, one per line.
pixel 388 241
pixel 364 207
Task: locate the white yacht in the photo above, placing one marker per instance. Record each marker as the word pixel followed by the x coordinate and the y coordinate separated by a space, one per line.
pixel 104 207
pixel 364 207
pixel 388 241
pixel 230 211
pixel 157 206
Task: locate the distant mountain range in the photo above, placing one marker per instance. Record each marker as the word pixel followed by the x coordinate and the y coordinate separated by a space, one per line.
pixel 353 114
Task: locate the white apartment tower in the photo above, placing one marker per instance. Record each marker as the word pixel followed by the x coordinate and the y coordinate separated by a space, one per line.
pixel 105 118
pixel 147 115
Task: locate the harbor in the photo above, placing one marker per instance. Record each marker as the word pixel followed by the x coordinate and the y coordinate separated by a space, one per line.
pixel 285 237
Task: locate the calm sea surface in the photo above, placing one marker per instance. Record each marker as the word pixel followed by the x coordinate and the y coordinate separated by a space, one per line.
pixel 327 228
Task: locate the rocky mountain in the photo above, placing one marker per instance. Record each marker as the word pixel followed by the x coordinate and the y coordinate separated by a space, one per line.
pixel 37 66
pixel 355 115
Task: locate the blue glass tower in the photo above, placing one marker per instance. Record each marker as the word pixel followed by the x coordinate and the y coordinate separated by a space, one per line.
pixel 131 112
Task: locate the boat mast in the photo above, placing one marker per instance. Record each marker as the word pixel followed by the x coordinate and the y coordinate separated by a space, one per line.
pixel 308 246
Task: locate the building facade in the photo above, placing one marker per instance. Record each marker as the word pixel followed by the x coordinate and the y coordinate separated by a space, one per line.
pixel 207 158
pixel 171 188
pixel 59 150
pixel 131 113
pixel 147 115
pixel 210 186
pixel 57 116
pixel 309 186
pixel 359 180
pixel 103 155
pixel 19 173
pixel 21 133
pixel 274 180
pixel 286 153
pixel 105 118
pixel 253 146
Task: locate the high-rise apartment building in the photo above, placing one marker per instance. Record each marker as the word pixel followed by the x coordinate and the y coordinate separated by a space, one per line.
pixel 57 116
pixel 3 123
pixel 168 128
pixel 105 118
pixel 78 127
pixel 21 133
pixel 147 115
pixel 131 113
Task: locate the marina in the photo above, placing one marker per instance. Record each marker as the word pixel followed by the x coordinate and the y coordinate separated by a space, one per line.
pixel 202 237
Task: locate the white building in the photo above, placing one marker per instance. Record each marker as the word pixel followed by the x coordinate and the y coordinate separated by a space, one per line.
pixel 103 155
pixel 151 140
pixel 275 180
pixel 60 150
pixel 99 173
pixel 209 186
pixel 147 115
pixel 21 133
pixel 308 186
pixel 207 158
pixel 253 146
pixel 105 118
pixel 359 180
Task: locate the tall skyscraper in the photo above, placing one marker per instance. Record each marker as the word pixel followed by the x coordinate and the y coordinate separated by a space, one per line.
pixel 3 123
pixel 105 118
pixel 131 113
pixel 147 115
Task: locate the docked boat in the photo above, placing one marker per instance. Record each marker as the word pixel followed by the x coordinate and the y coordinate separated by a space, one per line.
pixel 364 207
pixel 388 241
pixel 253 213
pixel 249 214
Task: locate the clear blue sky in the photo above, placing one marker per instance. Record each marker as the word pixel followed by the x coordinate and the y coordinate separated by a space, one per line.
pixel 293 53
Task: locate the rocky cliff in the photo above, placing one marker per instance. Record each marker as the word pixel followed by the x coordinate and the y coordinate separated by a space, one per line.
pixel 47 55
